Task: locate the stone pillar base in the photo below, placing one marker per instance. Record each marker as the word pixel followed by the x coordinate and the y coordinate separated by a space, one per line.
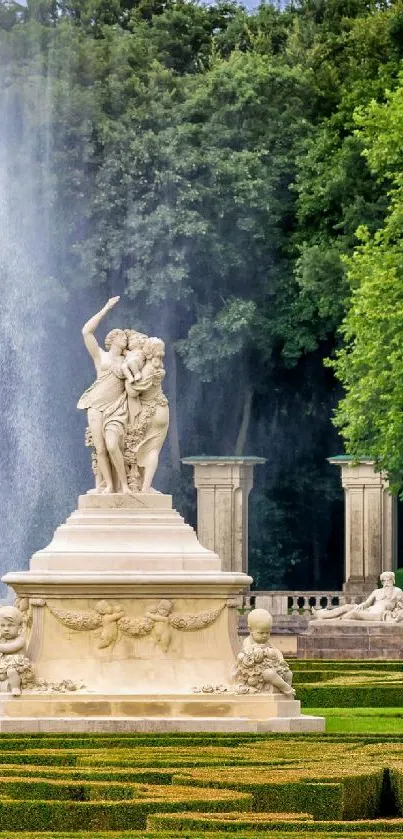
pixel 335 639
pixel 356 586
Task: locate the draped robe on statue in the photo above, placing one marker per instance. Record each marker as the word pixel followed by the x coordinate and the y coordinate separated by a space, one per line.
pixel 108 395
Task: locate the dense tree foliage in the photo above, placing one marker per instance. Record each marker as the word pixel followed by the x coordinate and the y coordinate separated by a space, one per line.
pixel 370 364
pixel 213 166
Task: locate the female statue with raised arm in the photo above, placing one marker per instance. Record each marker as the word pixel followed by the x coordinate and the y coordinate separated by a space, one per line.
pixel 106 403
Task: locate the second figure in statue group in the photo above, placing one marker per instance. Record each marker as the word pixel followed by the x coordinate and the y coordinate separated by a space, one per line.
pixel 128 414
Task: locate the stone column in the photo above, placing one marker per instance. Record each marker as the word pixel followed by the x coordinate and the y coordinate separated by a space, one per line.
pixel 370 523
pixel 223 485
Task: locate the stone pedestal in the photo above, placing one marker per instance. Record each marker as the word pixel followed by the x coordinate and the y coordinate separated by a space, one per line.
pixel 94 591
pixel 370 524
pixel 128 605
pixel 163 713
pixel 336 639
pixel 223 485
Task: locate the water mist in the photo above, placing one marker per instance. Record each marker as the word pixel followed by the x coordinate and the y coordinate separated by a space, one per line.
pixel 36 467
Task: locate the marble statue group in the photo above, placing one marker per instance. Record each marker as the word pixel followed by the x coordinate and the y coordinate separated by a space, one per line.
pixel 127 411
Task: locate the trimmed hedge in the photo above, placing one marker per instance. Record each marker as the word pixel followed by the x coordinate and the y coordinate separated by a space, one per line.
pixel 235 822
pixel 228 822
pixel 344 665
pixel 118 785
pixel 220 800
pixel 126 775
pixel 59 815
pixel 67 790
pixel 42 758
pixel 396 784
pixel 353 795
pixel 284 833
pixel 349 677
pixel 345 696
pixel 52 741
pixel 177 758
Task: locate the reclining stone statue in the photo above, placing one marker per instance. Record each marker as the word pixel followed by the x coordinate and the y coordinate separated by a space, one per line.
pixel 379 606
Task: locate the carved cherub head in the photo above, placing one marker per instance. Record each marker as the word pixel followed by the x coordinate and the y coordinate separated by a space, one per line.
pixel 135 340
pixel 116 339
pixel 11 621
pixel 103 607
pixel 164 608
pixel 21 603
pixel 260 623
pixel 154 350
pixel 136 360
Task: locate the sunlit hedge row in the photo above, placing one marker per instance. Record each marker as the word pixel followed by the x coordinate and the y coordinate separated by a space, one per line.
pixel 343 665
pixel 393 829
pixel 278 825
pixel 58 807
pixel 350 696
pixel 345 684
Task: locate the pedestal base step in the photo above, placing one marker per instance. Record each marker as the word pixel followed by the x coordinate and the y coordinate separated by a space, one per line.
pixel 153 712
pixel 116 725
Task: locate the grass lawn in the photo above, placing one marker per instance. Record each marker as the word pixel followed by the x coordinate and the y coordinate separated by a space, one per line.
pixel 361 720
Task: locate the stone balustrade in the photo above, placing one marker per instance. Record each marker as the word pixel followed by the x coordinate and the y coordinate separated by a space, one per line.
pixel 282 603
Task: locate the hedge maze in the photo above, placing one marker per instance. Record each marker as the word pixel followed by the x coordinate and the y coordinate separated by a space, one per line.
pixel 195 786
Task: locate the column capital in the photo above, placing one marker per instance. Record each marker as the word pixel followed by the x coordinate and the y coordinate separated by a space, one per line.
pixel 223 461
pixel 359 472
pixel 340 459
pixel 225 471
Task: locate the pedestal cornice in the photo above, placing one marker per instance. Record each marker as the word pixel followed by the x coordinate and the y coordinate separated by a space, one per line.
pixel 68 584
pixel 223 461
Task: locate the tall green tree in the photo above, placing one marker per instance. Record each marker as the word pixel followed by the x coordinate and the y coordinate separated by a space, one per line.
pixel 370 364
pixel 355 53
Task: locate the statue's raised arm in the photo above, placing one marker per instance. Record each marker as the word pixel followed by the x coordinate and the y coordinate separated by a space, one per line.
pixel 89 328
